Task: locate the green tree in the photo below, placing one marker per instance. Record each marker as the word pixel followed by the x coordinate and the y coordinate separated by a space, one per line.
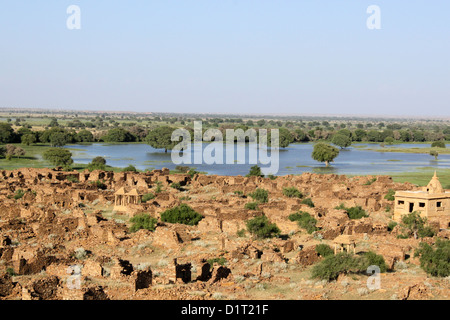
pixel 84 136
pixel 414 225
pixel 435 260
pixel 255 171
pixel 438 144
pixel 341 140
pixel 182 214
pixel 324 152
pixel 292 192
pixel 143 221
pixel 260 195
pixel 118 135
pixel 261 227
pixel 98 163
pixel 6 133
pixel 305 221
pixel 28 139
pixel 434 153
pixel 161 138
pixel 58 139
pixel 58 156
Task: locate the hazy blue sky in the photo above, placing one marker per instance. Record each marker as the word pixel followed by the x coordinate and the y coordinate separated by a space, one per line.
pixel 240 56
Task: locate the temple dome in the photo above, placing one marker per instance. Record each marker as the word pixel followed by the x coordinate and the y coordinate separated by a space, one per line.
pixel 434 186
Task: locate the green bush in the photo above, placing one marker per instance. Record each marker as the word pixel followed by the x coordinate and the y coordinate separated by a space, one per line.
pixel 158 188
pixel 148 196
pixel 308 202
pixel 344 263
pixel 262 228
pixel 438 144
pixel 143 221
pixel 192 173
pixel 11 272
pixel 435 260
pixel 390 195
pixel 129 168
pixel 220 261
pixel 99 184
pixel 260 195
pixel 72 179
pixel 354 212
pixel 181 214
pixel 251 206
pixel 255 171
pixel 19 194
pixel 241 233
pixel 391 225
pixel 305 221
pixel 324 250
pixel 414 225
pixel 176 185
pixel 239 193
pixel 368 183
pixel 292 192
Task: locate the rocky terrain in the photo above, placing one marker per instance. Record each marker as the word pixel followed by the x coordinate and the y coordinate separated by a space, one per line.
pixel 60 238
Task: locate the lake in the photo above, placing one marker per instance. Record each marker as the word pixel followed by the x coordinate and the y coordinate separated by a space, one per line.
pixel 295 159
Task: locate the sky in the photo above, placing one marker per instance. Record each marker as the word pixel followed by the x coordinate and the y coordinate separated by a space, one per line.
pixel 227 56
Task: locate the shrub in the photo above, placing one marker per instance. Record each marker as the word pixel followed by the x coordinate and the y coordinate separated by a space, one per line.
pixel 271 177
pixel 143 221
pixel 354 212
pixel 181 214
pixel 434 260
pixel 414 225
pixel 261 227
pixel 220 261
pixel 332 266
pixel 241 233
pixel 305 221
pixel 72 179
pixel 369 182
pixel 158 188
pixel 390 195
pixel 129 168
pixel 371 258
pixel 251 206
pixel 176 185
pixel 324 250
pixel 19 194
pixel 255 171
pixel 148 196
pixel 308 202
pixel 391 225
pixel 260 195
pixel 239 193
pixel 99 184
pixel 11 272
pixel 183 169
pixel 292 192
pixel 58 156
pixel 438 144
pixel 343 263
pixel 192 173
pixel 99 160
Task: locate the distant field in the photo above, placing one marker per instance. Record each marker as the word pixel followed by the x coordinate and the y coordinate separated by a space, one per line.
pixel 423 176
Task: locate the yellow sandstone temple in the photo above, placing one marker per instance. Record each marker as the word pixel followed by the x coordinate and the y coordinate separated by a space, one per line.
pixel 432 202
